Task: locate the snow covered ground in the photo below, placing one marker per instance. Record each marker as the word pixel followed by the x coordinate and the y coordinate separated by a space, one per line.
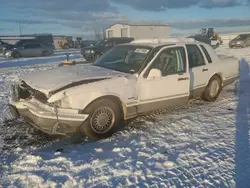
pixel 199 145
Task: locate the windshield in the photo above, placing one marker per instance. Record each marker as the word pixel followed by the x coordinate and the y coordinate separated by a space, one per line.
pixel 241 37
pixel 18 43
pixel 126 59
pixel 99 43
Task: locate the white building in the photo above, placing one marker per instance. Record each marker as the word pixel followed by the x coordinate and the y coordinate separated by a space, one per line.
pixel 138 31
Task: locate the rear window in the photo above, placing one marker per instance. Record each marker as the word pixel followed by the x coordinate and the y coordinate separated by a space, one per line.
pixel 206 54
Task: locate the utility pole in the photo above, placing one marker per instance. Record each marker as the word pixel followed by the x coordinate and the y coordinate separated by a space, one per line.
pixel 20 29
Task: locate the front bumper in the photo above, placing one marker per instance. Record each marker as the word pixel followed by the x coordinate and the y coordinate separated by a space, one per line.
pixel 47 119
pixel 7 54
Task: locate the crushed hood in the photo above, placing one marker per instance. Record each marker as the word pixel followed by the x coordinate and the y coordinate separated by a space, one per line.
pixel 55 79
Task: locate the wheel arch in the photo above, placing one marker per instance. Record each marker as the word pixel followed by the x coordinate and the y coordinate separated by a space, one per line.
pixel 15 52
pixel 219 74
pixel 113 98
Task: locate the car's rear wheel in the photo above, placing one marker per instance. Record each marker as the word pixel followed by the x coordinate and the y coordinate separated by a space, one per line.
pixel 213 89
pixel 16 55
pixel 105 117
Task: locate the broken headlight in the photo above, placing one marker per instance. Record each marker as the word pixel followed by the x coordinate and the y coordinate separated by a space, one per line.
pixel 62 103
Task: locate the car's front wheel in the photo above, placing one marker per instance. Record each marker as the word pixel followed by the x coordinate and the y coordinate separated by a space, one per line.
pixel 16 55
pixel 97 55
pixel 105 117
pixel 212 90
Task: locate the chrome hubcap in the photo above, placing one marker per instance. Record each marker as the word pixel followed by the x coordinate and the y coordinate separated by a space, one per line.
pixel 214 88
pixel 102 120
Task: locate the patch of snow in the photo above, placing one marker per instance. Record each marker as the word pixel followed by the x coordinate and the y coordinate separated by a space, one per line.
pixel 168 164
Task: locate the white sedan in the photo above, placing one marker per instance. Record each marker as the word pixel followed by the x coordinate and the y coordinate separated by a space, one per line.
pixel 129 80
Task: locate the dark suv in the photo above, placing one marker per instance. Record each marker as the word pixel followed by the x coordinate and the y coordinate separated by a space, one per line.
pixel 242 40
pixel 23 42
pixel 91 53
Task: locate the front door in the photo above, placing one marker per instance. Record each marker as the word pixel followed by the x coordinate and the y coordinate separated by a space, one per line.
pixel 199 70
pixel 28 50
pixel 170 87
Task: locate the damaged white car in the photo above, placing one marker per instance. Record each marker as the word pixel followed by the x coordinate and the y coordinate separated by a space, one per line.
pixel 129 80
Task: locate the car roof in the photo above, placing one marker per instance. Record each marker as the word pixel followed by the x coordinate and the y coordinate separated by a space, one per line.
pixel 244 34
pixel 161 42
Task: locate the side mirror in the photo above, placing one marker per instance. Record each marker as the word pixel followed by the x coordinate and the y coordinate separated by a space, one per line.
pixel 154 73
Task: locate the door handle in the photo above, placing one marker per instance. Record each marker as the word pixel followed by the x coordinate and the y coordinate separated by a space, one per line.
pixel 184 78
pixel 204 70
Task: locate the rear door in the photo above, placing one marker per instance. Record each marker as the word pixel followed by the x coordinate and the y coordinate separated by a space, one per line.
pixel 198 68
pixel 26 50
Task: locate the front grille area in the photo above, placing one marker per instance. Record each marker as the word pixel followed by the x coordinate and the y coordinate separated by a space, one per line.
pixel 25 92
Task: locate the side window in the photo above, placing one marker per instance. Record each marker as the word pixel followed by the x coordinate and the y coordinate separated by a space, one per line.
pixel 195 56
pixel 109 43
pixel 32 46
pixel 118 41
pixel 171 61
pixel 206 54
pixel 37 46
pixel 28 46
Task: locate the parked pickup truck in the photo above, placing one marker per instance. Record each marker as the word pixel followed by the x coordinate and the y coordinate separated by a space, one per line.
pixel 129 80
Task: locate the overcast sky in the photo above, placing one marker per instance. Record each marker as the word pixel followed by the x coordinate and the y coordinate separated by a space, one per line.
pixel 80 17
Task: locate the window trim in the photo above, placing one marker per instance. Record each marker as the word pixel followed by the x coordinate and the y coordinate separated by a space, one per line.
pixel 33 45
pixel 200 53
pixel 160 52
pixel 208 57
pixel 25 46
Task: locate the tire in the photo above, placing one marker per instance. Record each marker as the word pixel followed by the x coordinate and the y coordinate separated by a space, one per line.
pixel 45 53
pixel 244 45
pixel 16 55
pixel 92 128
pixel 88 59
pixel 212 90
pixel 97 55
